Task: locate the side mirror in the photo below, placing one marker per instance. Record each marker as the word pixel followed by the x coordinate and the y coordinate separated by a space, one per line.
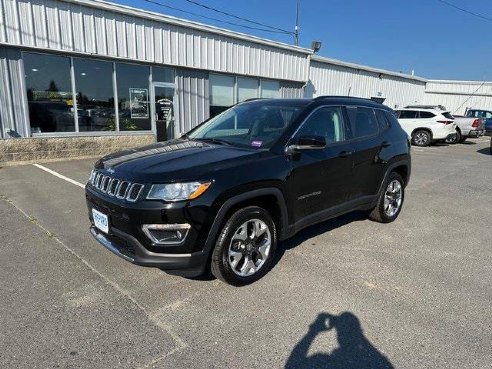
pixel 308 143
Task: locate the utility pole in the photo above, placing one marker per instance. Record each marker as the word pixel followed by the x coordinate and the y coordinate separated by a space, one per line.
pixel 296 29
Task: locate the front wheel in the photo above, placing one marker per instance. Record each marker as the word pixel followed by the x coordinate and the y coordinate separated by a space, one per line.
pixel 390 201
pixel 421 138
pixel 245 247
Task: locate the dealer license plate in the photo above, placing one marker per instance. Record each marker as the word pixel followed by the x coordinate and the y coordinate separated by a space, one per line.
pixel 100 220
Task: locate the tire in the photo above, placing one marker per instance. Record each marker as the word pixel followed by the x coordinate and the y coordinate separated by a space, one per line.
pixel 463 139
pixel 421 138
pixel 393 194
pixel 242 256
pixel 456 139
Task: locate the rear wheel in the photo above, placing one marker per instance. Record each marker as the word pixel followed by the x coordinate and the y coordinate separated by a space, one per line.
pixel 421 138
pixel 390 201
pixel 245 247
pixel 454 139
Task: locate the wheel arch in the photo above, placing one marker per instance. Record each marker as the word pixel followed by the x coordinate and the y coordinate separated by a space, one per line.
pixel 270 199
pixel 422 129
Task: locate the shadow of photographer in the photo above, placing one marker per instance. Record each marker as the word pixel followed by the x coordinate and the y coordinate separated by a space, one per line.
pixel 354 350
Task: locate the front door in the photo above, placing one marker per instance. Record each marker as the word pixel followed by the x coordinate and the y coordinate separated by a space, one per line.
pixel 320 178
pixel 164 112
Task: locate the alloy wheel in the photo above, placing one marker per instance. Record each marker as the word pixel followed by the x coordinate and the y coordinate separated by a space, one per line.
pixel 393 198
pixel 249 247
pixel 421 138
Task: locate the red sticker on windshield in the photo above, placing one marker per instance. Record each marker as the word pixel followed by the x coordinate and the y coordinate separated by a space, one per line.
pixel 256 143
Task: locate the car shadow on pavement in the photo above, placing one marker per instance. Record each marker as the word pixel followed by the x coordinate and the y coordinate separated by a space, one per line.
pixel 316 230
pixel 485 151
pixel 354 349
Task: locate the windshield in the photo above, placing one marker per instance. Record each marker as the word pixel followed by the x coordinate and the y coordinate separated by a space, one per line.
pixel 256 125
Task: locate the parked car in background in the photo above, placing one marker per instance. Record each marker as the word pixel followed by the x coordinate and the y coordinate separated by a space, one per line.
pixel 485 114
pixel 466 127
pixel 425 124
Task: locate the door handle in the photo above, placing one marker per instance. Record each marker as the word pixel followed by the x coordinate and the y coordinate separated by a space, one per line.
pixel 344 154
pixel 386 144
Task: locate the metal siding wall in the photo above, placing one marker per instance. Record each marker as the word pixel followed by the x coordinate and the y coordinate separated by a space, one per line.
pixel 13 101
pixel 291 90
pixel 193 104
pixel 330 79
pixel 460 95
pixel 60 25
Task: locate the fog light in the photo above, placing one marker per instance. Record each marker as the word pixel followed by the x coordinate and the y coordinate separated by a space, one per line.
pixel 166 234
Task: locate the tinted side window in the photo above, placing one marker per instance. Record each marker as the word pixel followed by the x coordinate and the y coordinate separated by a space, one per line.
pixel 326 122
pixel 391 118
pixel 363 121
pixel 408 114
pixel 426 114
pixel 383 122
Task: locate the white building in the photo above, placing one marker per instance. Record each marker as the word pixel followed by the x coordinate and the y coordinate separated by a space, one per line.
pixel 89 68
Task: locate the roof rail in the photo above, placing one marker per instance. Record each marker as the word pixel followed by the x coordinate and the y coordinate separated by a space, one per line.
pixel 342 97
pixel 437 107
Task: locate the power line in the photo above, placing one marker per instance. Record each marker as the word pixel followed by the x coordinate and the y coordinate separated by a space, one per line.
pixel 214 19
pixel 466 11
pixel 237 17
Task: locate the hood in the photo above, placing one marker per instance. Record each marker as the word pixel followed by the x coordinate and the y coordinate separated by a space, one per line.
pixel 176 160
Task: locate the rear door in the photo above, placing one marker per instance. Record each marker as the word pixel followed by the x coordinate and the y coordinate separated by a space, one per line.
pixel 367 144
pixel 320 179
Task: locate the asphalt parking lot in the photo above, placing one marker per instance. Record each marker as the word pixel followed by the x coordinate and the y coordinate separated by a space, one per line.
pixel 415 293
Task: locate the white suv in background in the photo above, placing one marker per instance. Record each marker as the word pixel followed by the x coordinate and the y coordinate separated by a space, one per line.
pixel 425 125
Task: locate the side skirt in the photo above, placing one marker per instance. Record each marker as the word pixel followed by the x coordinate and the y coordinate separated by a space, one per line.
pixel 361 203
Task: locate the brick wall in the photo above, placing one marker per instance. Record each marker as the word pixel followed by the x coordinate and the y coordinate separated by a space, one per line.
pixel 15 150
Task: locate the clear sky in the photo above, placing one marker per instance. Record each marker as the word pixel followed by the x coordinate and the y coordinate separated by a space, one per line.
pixel 428 36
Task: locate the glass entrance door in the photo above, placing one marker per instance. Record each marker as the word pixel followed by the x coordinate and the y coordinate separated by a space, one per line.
pixel 164 111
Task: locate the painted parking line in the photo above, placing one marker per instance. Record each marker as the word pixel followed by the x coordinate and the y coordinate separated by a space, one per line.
pixel 56 174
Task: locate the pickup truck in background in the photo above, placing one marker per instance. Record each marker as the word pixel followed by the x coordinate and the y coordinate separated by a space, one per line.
pixel 485 114
pixel 466 127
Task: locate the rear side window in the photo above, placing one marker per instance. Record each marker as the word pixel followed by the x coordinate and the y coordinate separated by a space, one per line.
pixel 383 122
pixel 426 114
pixel 407 114
pixel 363 121
pixel 392 119
pixel 447 115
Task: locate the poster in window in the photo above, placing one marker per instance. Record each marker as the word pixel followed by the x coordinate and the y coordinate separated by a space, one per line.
pixel 139 107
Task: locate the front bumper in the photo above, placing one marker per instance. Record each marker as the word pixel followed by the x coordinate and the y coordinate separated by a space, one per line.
pixel 130 249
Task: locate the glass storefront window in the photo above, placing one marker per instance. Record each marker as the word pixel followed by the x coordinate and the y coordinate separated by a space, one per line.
pixel 95 99
pixel 160 74
pixel 222 89
pixel 221 93
pixel 247 88
pixel 270 89
pixel 133 97
pixel 49 93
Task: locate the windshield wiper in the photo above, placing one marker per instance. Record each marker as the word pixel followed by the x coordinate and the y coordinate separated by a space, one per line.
pixel 217 141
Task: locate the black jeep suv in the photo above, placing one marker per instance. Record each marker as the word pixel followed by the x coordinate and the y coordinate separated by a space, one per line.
pixel 224 194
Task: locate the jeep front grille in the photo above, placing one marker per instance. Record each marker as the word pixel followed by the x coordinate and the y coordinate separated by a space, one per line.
pixel 115 187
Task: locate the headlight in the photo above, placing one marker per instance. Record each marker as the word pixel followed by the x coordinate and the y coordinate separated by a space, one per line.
pixel 177 191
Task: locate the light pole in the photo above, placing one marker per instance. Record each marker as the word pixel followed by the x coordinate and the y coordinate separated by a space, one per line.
pixel 296 29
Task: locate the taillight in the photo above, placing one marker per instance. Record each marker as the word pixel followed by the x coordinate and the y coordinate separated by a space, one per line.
pixel 476 123
pixel 445 121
